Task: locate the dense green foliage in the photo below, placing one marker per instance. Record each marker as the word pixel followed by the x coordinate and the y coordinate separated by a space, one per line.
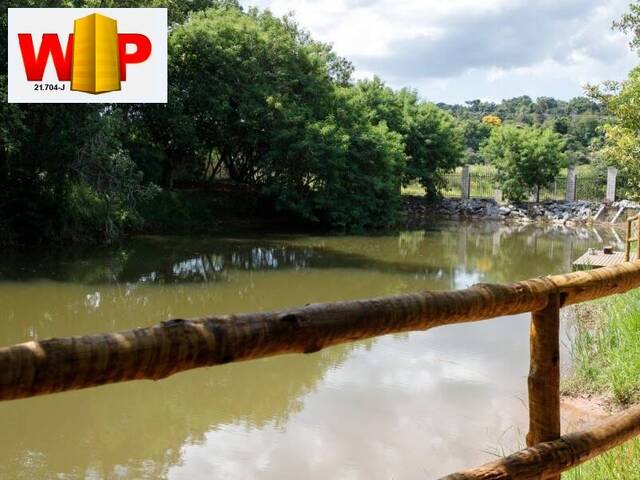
pixel 578 121
pixel 622 137
pixel 526 159
pixel 254 101
pixel 621 144
pixel 433 141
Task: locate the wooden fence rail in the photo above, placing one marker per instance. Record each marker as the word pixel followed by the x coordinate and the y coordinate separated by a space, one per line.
pixel 631 239
pixel 59 364
pixel 548 459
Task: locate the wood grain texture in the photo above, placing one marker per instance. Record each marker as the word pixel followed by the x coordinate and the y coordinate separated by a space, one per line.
pixel 544 374
pixel 627 242
pixel 59 364
pixel 548 459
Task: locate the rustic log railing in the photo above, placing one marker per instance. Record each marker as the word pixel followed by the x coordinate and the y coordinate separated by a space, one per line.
pixel 631 239
pixel 59 364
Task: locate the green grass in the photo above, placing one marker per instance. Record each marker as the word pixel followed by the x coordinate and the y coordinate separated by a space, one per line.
pixel 622 463
pixel 483 177
pixel 606 349
pixel 606 360
pixel 413 189
pixel 482 184
pixel 480 187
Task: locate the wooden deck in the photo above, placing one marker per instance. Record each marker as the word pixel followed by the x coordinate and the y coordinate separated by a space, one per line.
pixel 596 258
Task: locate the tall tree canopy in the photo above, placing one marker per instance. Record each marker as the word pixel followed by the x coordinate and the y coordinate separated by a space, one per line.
pixel 433 140
pixel 622 132
pixel 526 159
pixel 579 121
pixel 253 100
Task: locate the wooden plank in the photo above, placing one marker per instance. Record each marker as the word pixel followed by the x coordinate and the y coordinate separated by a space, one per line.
pixel 600 259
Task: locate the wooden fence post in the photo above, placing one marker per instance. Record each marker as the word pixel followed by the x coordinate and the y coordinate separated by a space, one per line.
pixel 637 237
pixel 627 242
pixel 544 375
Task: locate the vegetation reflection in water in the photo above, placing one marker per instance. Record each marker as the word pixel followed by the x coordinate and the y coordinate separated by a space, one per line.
pixel 390 407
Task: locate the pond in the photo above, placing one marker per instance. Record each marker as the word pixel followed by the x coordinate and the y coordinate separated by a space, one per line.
pixel 410 406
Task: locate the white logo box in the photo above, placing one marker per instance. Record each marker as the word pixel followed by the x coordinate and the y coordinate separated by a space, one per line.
pixel 146 82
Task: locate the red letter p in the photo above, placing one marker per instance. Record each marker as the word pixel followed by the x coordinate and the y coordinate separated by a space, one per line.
pixel 143 50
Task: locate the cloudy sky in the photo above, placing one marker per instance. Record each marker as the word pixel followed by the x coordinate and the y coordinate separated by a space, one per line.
pixel 457 50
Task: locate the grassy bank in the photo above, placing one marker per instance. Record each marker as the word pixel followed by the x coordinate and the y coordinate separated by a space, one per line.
pixel 622 463
pixel 606 350
pixel 606 361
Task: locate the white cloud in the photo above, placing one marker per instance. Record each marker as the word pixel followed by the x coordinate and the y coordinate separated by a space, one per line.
pixel 395 411
pixel 463 49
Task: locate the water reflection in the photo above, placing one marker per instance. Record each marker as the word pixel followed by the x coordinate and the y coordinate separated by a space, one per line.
pixel 398 406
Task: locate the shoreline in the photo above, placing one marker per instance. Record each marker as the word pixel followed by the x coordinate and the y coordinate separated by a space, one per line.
pixel 586 401
pixel 419 211
pixel 583 411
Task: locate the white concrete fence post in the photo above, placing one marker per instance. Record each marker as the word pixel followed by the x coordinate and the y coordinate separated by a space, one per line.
pixel 465 185
pixel 612 174
pixel 570 193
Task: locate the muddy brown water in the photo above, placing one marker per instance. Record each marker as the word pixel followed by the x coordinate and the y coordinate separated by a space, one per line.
pixel 409 406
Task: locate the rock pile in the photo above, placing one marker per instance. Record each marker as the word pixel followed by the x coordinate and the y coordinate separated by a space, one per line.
pixel 487 209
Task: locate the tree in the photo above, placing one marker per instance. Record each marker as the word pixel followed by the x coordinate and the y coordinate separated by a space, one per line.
pixel 578 120
pixel 492 120
pixel 433 140
pixel 270 80
pixel 630 23
pixel 357 181
pixel 283 118
pixel 525 159
pixel 37 177
pixel 622 137
pixel 434 144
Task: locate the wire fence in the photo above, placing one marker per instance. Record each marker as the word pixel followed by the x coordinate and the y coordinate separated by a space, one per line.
pixel 452 185
pixel 556 191
pixel 484 184
pixel 591 187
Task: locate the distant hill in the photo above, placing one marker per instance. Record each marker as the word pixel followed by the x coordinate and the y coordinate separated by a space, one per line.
pixel 578 120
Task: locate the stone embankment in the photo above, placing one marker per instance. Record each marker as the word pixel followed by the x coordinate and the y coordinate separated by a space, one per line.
pixel 561 213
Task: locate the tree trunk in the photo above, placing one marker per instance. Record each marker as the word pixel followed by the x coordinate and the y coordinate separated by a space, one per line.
pixel 168 173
